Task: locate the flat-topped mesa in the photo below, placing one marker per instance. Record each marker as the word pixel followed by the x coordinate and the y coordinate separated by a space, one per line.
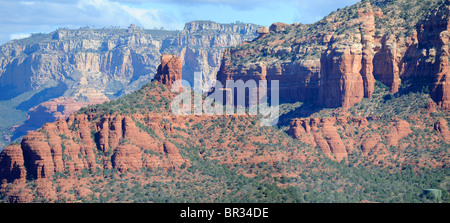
pixel 170 70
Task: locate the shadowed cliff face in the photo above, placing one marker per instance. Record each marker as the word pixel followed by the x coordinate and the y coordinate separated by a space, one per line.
pixel 340 57
pixel 433 42
pixel 170 70
pixel 108 141
pixel 137 139
pixel 97 65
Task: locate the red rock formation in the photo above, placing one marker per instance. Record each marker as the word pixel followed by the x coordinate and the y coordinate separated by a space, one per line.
pixel 12 162
pixel 278 27
pixel 441 126
pixel 333 139
pixel 89 142
pixel 174 154
pixel 298 81
pixel 60 148
pixel 321 133
pixel 367 19
pixel 347 66
pixel 429 55
pixel 127 157
pixel 350 61
pixel 398 130
pixel 262 31
pixel 440 92
pixel 369 143
pixel 38 155
pixel 385 64
pixel 341 83
pixel 170 70
pixel 337 137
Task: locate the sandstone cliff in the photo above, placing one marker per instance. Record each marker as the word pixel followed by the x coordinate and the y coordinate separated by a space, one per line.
pixel 52 75
pixel 134 149
pixel 370 137
pixel 85 142
pixel 339 59
pixel 201 44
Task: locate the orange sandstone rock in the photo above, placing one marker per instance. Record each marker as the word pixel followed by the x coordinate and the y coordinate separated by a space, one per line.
pixel 170 70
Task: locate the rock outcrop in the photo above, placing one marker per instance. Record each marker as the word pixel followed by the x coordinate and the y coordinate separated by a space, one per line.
pixel 319 133
pixel 433 38
pixel 68 69
pixel 398 130
pixel 12 162
pixel 170 70
pixel 441 126
pixel 341 84
pixel 262 31
pixel 80 142
pixel 338 136
pixel 367 18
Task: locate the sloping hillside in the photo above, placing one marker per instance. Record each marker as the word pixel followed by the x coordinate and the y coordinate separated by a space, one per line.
pixel 134 149
pixel 49 76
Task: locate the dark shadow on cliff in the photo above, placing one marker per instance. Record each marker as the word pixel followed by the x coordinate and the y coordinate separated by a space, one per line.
pixel 43 96
pixel 296 109
pixel 8 93
pixel 40 117
pixel 415 85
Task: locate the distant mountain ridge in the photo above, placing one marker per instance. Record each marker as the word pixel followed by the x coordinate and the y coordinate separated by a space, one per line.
pixel 336 61
pixel 57 73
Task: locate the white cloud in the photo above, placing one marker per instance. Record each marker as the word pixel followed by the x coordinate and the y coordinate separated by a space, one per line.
pixel 19 35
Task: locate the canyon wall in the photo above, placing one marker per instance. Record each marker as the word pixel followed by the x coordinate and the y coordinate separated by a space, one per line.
pixel 82 141
pixel 51 75
pixel 339 59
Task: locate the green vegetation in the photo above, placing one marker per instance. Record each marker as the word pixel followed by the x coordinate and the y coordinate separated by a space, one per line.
pixel 132 103
pixel 306 42
pixel 233 159
pixel 7 120
pixel 211 178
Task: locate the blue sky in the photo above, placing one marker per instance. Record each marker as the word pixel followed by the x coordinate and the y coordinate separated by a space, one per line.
pixel 19 18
